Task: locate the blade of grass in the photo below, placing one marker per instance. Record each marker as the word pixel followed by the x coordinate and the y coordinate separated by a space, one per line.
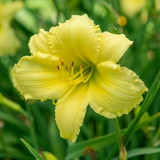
pixel 142 151
pixel 32 150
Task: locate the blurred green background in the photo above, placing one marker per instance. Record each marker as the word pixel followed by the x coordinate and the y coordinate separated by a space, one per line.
pixel 39 129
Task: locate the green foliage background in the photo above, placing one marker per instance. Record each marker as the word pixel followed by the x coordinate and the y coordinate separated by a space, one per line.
pixel 36 123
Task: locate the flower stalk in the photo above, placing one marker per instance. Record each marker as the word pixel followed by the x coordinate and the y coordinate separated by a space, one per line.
pixel 118 132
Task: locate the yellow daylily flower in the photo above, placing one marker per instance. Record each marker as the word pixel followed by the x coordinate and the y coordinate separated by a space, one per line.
pixel 75 64
pixel 8 40
pixel 132 7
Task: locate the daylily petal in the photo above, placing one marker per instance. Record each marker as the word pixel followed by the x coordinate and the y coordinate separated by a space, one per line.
pixel 8 10
pixel 132 7
pixel 113 46
pixel 36 77
pixel 39 43
pixel 8 41
pixel 78 40
pixel 114 90
pixel 70 112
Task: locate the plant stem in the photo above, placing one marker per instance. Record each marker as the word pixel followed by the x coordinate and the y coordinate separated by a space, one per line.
pixel 118 132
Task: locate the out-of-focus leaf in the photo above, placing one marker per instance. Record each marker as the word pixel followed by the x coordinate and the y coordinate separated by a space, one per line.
pixel 14 153
pixel 142 151
pixel 13 120
pixel 27 20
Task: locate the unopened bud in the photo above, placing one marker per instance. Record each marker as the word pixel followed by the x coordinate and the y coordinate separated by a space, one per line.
pixel 49 156
pixel 123 153
pixel 122 21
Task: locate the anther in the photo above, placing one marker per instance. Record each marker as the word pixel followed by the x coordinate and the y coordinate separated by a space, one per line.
pixel 72 64
pixel 62 63
pixel 58 68
pixel 67 69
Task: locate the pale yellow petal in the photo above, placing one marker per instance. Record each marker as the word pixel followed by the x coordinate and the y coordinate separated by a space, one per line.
pixel 132 7
pixel 9 43
pixel 8 10
pixel 36 77
pixel 77 40
pixel 114 90
pixel 113 46
pixel 39 43
pixel 70 112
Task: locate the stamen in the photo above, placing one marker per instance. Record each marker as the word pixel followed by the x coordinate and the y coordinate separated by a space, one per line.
pixel 84 81
pixel 72 64
pixel 67 69
pixel 73 74
pixel 58 68
pixel 67 73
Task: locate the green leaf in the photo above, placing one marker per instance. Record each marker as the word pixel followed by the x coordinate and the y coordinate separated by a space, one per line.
pixel 142 151
pixel 32 150
pixel 14 153
pixel 78 149
pixel 27 20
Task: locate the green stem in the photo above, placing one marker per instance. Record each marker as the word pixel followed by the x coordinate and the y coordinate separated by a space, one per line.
pixel 118 132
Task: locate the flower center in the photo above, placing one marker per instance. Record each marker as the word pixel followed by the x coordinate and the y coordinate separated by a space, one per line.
pixel 75 74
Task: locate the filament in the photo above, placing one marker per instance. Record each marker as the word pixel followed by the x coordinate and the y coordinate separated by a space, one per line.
pixel 72 75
